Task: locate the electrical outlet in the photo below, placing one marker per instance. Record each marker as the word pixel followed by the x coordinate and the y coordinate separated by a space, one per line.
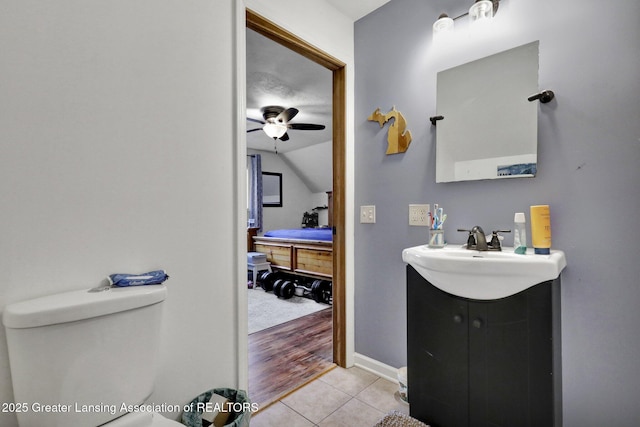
pixel 419 215
pixel 367 214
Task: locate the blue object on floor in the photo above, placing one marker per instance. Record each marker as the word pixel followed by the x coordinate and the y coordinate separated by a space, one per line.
pixel 151 278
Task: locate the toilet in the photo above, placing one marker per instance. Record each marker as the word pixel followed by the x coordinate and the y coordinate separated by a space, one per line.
pixel 87 358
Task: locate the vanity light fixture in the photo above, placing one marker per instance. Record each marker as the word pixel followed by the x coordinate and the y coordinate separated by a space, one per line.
pixel 443 24
pixel 480 10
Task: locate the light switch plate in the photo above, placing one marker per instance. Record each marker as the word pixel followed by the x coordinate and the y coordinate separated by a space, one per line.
pixel 419 215
pixel 367 214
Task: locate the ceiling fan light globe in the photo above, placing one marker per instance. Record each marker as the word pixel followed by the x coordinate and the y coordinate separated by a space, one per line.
pixel 274 130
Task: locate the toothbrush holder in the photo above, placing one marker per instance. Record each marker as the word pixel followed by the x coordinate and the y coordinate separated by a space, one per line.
pixel 436 238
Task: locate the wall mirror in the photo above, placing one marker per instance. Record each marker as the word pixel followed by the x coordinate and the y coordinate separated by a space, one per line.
pixel 271 189
pixel 489 128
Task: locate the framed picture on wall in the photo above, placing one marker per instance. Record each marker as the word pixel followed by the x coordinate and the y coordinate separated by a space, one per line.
pixel 271 189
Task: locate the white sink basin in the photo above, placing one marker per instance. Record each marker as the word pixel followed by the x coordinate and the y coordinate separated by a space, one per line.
pixel 483 275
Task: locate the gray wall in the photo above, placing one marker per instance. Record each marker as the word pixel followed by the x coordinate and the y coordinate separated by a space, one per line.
pixel 588 172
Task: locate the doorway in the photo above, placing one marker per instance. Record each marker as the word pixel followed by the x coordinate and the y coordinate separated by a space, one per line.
pixel 268 29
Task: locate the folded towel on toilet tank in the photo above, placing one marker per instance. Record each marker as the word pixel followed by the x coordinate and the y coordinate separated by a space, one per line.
pixel 151 278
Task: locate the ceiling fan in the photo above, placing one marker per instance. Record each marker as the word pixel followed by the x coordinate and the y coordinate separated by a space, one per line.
pixel 276 122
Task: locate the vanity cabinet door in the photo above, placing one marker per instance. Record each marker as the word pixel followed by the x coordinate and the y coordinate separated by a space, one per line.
pixel 480 363
pixel 511 360
pixel 437 352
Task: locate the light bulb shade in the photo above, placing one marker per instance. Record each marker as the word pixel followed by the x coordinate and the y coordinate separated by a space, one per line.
pixel 481 9
pixel 274 130
pixel 443 24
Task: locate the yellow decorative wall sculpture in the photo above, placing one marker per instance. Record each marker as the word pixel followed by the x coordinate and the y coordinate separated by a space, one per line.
pixel 398 137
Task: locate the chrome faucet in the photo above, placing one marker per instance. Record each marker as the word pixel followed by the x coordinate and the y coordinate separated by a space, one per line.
pixel 477 240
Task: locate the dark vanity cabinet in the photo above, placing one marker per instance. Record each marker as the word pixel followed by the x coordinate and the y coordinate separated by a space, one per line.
pixel 474 363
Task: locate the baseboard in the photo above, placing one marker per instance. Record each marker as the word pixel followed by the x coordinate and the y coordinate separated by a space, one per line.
pixel 380 369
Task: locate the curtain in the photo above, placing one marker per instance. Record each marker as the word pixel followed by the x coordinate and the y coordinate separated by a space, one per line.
pixel 255 191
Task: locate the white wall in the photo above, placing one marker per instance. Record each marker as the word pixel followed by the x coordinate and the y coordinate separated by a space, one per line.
pixel 110 161
pixel 296 196
pixel 307 176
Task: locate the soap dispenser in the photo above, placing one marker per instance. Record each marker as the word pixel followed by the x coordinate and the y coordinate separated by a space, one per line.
pixel 519 233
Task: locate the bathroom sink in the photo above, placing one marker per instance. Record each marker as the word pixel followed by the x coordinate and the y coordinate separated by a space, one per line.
pixel 483 275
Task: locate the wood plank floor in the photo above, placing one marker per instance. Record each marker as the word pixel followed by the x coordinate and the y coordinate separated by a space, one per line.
pixel 287 356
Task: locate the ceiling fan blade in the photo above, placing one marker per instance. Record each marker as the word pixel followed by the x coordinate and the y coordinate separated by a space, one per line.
pixel 253 130
pixel 284 137
pixel 255 120
pixel 287 115
pixel 305 126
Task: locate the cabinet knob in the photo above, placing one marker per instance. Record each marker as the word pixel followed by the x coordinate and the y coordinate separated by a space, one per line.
pixel 457 318
pixel 477 323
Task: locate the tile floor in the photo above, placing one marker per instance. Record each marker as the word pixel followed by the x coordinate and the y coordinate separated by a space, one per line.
pixel 340 398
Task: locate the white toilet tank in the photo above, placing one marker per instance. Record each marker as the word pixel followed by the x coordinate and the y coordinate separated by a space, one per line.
pixel 78 357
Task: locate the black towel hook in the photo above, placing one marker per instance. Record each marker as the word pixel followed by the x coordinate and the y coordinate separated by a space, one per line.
pixel 544 96
pixel 434 119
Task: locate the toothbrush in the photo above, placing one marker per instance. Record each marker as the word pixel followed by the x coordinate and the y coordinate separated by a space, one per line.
pixel 444 218
pixel 435 216
pixel 433 239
